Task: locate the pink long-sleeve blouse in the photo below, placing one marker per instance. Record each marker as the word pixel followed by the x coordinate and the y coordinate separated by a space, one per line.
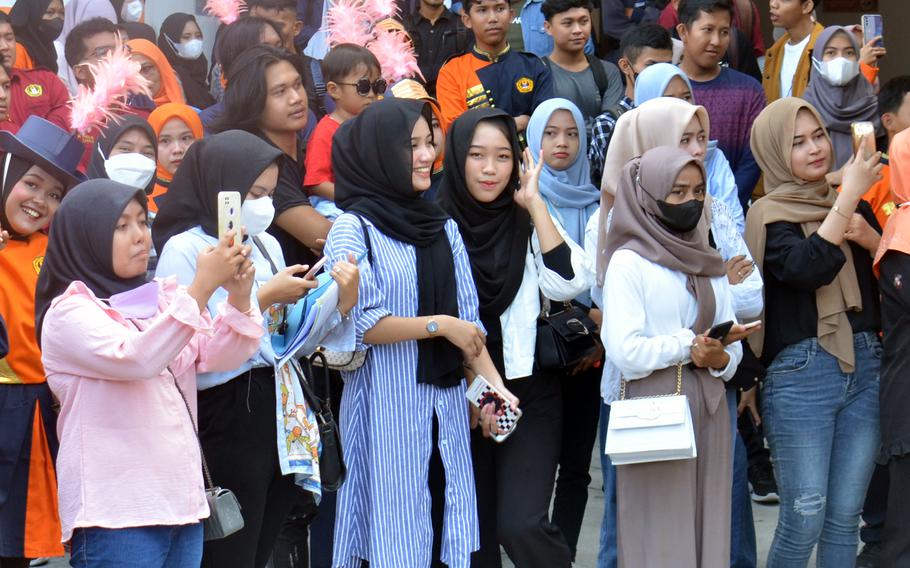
pixel 129 454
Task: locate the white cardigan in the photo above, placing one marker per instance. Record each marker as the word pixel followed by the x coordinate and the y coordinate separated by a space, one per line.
pixel 519 321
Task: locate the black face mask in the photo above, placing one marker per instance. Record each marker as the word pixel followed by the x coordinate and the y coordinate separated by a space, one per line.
pixel 49 30
pixel 681 218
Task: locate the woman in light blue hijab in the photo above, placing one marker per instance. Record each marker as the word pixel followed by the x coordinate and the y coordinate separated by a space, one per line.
pixel 666 80
pixel 558 129
pixel 565 181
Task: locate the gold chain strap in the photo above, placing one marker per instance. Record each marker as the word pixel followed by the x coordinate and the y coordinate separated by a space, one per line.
pixel 622 387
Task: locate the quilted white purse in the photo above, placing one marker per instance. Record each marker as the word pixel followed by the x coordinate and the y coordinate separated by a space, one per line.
pixel 651 428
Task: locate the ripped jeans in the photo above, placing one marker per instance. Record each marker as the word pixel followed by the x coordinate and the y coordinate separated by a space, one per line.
pixel 822 426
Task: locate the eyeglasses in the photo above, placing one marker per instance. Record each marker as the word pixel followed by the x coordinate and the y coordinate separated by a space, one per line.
pixel 378 86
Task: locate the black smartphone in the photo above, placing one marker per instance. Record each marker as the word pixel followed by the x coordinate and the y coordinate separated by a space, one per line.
pixel 720 330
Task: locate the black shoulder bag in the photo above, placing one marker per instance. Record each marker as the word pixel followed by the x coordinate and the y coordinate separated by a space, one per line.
pixel 332 470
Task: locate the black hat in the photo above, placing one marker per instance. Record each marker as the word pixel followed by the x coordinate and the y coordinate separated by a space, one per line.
pixel 46 145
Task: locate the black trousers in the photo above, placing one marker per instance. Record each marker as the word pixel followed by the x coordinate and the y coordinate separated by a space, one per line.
pixel 875 507
pixel 580 415
pixel 514 482
pixel 896 553
pixel 239 434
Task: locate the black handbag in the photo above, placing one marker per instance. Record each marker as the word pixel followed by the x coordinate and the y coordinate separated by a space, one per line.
pixel 332 470
pixel 564 338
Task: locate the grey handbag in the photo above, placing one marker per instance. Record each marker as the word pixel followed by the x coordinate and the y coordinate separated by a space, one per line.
pixel 225 518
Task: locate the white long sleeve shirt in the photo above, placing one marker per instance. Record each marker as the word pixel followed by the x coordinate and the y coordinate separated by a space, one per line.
pixel 648 314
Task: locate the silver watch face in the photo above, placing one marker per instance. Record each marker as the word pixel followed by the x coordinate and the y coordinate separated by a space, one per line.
pixel 432 326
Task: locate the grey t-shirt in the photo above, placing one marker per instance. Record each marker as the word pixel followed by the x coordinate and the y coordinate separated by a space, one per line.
pixel 580 88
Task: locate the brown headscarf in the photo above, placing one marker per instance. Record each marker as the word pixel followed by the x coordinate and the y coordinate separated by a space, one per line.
pixel 657 122
pixel 637 227
pixel 795 200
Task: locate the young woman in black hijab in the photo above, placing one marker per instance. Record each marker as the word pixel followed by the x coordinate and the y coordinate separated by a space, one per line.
pixel 518 253
pixel 181 42
pixel 121 356
pixel 417 316
pixel 238 407
pixel 37 23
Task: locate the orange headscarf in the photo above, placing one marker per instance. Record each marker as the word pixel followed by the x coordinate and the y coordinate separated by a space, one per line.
pixel 897 230
pixel 158 118
pixel 170 92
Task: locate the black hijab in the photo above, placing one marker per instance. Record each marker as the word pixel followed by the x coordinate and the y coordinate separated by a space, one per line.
pixel 138 30
pixel 17 168
pixel 495 234
pixel 193 72
pixel 26 17
pixel 109 138
pixel 229 161
pixel 371 158
pixel 80 245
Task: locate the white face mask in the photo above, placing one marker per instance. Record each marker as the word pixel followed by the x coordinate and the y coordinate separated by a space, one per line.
pixel 134 170
pixel 189 50
pixel 257 214
pixel 132 10
pixel 838 71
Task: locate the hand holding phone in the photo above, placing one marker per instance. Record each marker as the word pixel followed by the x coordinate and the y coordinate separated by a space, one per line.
pixel 481 393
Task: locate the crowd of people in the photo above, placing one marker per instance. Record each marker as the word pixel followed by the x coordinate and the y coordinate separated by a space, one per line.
pixel 629 178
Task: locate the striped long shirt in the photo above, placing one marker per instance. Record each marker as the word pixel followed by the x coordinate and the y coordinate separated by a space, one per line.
pixel 386 420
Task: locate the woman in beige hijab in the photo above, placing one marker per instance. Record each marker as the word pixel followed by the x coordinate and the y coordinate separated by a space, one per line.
pixel 820 339
pixel 667 288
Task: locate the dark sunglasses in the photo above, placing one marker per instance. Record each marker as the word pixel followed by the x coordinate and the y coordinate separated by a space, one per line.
pixel 379 86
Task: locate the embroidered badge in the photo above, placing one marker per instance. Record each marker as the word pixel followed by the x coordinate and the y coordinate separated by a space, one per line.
pixel 38 263
pixel 898 281
pixel 889 208
pixel 524 85
pixel 34 90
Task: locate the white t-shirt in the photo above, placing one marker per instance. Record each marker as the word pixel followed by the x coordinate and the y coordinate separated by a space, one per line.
pixel 792 54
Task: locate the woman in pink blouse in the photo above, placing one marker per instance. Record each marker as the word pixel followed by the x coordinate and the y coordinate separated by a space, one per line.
pixel 121 354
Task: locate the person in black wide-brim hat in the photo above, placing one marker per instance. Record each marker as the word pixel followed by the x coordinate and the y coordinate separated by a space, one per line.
pixel 36 170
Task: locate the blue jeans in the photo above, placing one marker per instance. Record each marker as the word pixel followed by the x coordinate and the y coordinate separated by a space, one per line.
pixel 177 546
pixel 822 426
pixel 607 557
pixel 743 553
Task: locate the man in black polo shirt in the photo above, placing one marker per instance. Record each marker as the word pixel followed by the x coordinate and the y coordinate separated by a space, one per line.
pixel 438 34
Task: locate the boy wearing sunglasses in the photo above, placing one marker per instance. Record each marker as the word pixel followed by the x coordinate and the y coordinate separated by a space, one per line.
pixel 492 73
pixel 352 76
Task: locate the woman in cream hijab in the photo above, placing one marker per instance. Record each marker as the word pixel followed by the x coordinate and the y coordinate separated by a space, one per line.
pixel 820 334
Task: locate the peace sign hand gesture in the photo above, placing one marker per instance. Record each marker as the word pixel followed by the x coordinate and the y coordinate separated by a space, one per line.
pixel 528 194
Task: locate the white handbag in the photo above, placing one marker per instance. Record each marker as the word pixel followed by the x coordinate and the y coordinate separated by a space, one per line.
pixel 652 428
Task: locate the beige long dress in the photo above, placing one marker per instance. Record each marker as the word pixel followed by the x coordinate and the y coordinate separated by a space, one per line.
pixel 676 514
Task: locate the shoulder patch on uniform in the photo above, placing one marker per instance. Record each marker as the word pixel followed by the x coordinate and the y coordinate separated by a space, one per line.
pixel 524 85
pixel 34 90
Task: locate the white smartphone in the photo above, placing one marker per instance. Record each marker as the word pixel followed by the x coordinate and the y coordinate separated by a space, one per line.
pixel 750 325
pixel 873 27
pixel 312 272
pixel 229 215
pixel 482 393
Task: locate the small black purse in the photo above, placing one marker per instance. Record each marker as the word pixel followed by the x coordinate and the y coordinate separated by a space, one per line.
pixel 564 338
pixel 332 470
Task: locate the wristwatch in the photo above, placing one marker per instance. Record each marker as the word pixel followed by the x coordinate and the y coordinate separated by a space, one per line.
pixel 432 327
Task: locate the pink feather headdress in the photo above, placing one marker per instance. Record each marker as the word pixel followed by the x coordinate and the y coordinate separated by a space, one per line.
pixel 116 75
pixel 225 10
pixel 368 23
pixel 395 53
